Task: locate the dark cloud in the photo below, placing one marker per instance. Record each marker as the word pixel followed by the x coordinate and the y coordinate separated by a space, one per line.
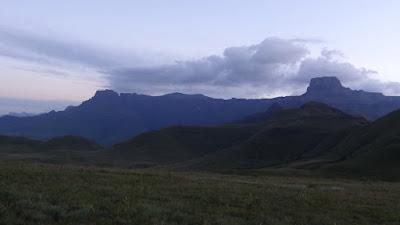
pixel 273 67
pixel 263 66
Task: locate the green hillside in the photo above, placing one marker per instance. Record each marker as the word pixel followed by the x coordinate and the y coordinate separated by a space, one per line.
pixel 70 143
pixel 18 144
pixel 59 150
pixel 283 137
pixel 291 135
pixel 373 150
pixel 181 143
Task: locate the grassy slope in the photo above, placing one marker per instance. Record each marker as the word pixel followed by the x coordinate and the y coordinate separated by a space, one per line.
pixel 59 150
pixel 288 136
pixel 39 194
pixel 17 144
pixel 374 150
pixel 282 137
pixel 180 143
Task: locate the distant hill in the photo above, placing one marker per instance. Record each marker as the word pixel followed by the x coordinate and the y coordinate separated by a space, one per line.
pixel 18 144
pixel 109 117
pixel 181 143
pixel 282 137
pixel 70 143
pixel 59 150
pixel 259 117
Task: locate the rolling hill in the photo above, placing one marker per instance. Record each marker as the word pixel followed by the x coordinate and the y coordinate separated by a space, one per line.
pixel 59 150
pixel 283 137
pixel 373 150
pixel 314 136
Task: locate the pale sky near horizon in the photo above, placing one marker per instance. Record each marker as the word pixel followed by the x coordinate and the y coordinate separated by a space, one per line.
pixel 63 51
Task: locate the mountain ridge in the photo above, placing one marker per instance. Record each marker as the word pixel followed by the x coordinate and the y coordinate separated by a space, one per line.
pixel 110 117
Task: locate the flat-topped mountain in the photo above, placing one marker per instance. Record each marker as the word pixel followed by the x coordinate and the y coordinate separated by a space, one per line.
pixel 330 90
pixel 326 86
pixel 331 87
pixel 110 117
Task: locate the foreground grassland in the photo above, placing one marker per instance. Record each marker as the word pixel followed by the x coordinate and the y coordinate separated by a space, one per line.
pixel 48 194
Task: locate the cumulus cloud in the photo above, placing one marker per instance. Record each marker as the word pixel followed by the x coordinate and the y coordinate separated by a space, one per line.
pixel 262 67
pixel 271 68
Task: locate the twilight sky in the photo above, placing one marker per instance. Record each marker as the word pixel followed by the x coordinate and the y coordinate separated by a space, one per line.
pixel 55 53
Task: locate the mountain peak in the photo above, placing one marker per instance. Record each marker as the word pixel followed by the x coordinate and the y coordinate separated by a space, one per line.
pixel 323 84
pixel 106 93
pixel 100 98
pixel 326 86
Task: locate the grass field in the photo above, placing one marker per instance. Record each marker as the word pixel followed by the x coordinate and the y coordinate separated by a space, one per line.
pixel 50 194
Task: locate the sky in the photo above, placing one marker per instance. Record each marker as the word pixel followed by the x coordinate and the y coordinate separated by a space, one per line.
pixel 58 53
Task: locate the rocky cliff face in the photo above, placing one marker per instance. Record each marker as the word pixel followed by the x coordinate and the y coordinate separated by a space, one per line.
pixel 331 87
pixel 326 86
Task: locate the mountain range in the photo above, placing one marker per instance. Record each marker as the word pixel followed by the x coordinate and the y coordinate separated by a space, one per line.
pixel 313 137
pixel 109 117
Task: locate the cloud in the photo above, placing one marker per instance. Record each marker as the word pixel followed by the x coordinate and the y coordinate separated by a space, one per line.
pixel 61 52
pixel 263 66
pixel 44 72
pixel 271 68
pixel 31 47
pixel 351 76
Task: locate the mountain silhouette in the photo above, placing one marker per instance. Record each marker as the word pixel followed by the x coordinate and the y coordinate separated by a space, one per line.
pixel 109 117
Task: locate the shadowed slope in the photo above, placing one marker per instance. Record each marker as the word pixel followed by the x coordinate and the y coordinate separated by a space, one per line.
pixel 181 143
pixel 290 135
pixel 282 137
pixel 373 150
